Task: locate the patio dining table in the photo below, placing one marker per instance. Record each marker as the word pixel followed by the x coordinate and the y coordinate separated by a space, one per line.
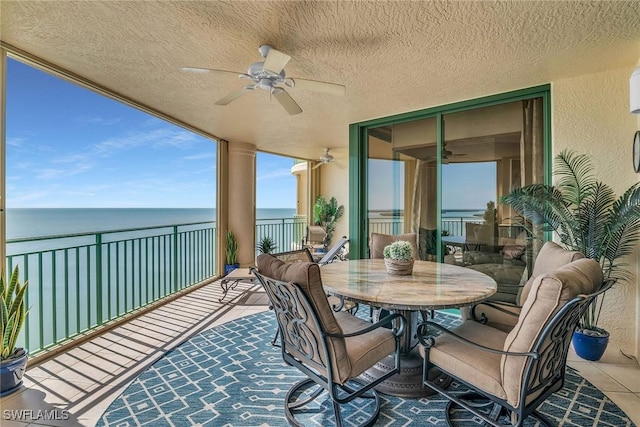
pixel 431 286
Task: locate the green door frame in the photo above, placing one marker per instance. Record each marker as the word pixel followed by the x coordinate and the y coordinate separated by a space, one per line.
pixel 359 153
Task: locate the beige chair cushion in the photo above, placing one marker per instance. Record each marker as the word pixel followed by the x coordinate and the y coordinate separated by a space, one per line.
pixel 379 241
pixel 477 367
pixel 548 293
pixel 307 276
pixel 550 257
pixel 365 350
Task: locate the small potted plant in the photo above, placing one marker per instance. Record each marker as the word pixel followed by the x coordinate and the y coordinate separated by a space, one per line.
pixel 398 258
pixel 266 245
pixel 13 359
pixel 231 251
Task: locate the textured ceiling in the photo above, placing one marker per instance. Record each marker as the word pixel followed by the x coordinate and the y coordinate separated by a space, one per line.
pixel 392 56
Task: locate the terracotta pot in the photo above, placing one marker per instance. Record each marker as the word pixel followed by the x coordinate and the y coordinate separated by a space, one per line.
pixel 398 268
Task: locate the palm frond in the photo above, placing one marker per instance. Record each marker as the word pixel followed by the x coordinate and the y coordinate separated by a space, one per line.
pixel 593 220
pixel 544 205
pixel 624 224
pixel 575 176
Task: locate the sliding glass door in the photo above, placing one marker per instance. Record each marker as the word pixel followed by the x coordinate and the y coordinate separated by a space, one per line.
pixel 440 173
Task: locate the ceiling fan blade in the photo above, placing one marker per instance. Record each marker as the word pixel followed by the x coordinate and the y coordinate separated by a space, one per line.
pixel 234 95
pixel 317 165
pixel 275 61
pixel 286 101
pixel 211 70
pixel 317 86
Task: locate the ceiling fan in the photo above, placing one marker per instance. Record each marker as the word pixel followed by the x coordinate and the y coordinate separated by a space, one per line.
pixel 325 159
pixel 446 154
pixel 269 75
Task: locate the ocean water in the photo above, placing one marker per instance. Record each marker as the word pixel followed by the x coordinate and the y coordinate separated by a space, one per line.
pixel 26 223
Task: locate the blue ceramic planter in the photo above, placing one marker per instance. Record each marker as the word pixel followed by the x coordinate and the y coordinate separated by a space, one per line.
pixel 590 347
pixel 11 372
pixel 228 268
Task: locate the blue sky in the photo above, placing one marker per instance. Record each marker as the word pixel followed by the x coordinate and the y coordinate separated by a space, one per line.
pixel 70 147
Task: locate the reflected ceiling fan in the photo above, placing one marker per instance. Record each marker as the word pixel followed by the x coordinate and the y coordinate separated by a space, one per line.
pixel 269 75
pixel 446 154
pixel 325 159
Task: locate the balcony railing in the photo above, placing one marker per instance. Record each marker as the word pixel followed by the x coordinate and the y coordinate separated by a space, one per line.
pixel 287 233
pixel 395 225
pixel 78 282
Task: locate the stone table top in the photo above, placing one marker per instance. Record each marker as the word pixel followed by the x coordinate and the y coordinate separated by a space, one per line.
pixel 431 286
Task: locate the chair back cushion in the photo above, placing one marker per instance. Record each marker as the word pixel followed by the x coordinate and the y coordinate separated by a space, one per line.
pixel 316 233
pixel 301 255
pixel 549 292
pixel 307 276
pixel 379 241
pixel 550 257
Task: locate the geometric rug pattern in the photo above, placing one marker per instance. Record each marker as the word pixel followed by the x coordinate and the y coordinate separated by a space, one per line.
pixel 231 375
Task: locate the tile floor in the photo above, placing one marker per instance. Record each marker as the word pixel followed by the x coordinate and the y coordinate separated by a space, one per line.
pixel 75 387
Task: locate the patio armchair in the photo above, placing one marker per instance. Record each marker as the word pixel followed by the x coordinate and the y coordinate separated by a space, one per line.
pixel 331 348
pixel 511 374
pixel 504 315
pixel 303 255
pixel 314 239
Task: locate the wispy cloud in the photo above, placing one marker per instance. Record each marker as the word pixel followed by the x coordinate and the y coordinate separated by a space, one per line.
pixel 200 156
pixel 53 173
pixel 26 197
pixel 78 193
pixel 153 138
pixel 15 142
pixel 277 173
pixel 101 121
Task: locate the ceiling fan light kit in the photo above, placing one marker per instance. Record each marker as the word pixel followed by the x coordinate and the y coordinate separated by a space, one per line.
pixel 269 75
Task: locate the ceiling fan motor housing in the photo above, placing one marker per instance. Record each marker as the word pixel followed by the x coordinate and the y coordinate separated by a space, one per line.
pixel 266 79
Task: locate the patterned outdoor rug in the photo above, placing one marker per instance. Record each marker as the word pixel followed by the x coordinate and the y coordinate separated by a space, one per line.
pixel 231 376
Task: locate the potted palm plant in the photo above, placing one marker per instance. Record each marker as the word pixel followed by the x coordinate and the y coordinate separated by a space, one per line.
pixel 327 213
pixel 13 359
pixel 398 258
pixel 231 252
pixel 586 216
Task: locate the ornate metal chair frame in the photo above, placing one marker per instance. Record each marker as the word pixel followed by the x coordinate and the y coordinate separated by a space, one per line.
pixel 544 371
pixel 293 309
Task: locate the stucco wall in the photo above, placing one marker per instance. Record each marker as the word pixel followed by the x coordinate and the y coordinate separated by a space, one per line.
pixel 590 114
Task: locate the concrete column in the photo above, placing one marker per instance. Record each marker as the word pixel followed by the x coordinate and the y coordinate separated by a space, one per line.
pixel 241 205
